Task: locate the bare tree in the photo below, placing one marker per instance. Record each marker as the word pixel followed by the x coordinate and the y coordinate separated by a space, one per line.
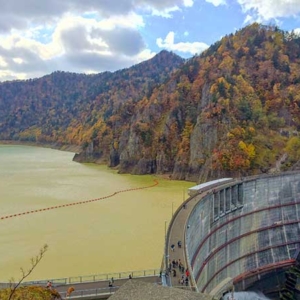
pixel 34 263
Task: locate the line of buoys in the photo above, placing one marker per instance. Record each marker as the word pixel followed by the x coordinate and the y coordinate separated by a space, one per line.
pixel 79 202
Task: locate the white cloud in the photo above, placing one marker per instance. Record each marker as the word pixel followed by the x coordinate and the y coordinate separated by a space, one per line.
pixel 168 43
pixel 248 19
pixel 131 20
pixel 166 13
pixel 297 30
pixel 264 10
pixel 76 44
pixel 9 75
pixel 20 14
pixel 145 54
pixel 78 36
pixel 16 42
pixel 217 2
pixel 18 60
pixel 3 62
pixel 188 3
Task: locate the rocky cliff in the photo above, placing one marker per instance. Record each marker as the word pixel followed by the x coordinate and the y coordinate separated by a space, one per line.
pixel 232 111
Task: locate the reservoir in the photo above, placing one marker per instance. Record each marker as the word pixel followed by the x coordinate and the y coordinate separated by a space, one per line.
pixel 120 233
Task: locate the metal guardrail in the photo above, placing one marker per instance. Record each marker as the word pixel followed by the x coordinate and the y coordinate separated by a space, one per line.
pixel 90 292
pixel 94 278
pixel 5 285
pixel 97 292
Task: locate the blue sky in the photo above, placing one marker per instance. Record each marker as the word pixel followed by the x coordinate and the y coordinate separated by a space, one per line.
pixel 38 37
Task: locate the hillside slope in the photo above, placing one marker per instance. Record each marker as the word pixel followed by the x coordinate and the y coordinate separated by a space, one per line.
pixel 62 107
pixel 231 111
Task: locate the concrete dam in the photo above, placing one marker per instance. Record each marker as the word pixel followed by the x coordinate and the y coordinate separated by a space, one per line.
pixel 245 233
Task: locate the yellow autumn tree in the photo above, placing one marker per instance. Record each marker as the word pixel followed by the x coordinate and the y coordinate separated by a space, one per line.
pixel 293 148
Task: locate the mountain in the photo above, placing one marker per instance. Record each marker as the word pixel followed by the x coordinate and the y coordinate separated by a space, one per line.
pixel 231 111
pixel 62 107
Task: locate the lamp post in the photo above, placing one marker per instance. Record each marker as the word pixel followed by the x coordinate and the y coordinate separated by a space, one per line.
pixel 172 209
pixel 166 249
pixel 165 230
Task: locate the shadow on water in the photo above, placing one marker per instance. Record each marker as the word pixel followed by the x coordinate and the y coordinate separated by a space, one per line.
pixel 245 296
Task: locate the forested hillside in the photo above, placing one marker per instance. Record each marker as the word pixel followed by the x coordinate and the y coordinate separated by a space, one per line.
pixel 63 107
pixel 231 111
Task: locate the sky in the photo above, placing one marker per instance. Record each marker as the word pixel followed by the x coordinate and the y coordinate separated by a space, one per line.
pixel 38 37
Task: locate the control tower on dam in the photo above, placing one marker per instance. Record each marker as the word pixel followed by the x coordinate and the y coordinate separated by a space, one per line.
pixel 246 234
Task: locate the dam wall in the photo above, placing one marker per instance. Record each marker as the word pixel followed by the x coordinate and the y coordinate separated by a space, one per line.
pixel 242 230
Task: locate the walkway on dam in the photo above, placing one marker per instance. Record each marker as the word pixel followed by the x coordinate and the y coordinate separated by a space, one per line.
pixel 100 288
pixel 177 229
pixel 176 233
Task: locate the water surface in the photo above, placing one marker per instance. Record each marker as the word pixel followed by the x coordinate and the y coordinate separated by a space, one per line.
pixel 121 233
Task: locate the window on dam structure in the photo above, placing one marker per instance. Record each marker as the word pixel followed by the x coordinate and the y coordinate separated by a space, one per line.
pixel 227 200
pixel 222 203
pixel 240 195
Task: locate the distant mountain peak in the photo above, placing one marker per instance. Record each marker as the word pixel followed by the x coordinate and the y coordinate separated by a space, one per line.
pixel 165 57
pixel 164 53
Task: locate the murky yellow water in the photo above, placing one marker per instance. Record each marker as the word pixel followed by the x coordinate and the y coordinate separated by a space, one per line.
pixel 121 233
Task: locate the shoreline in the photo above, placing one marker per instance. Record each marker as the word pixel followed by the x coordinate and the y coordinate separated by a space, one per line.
pixel 68 148
pixel 74 149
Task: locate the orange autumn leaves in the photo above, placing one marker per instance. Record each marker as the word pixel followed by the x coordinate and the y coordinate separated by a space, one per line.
pixel 237 153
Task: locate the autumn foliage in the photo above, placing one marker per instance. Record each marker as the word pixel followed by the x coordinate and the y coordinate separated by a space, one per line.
pixel 31 292
pixel 232 110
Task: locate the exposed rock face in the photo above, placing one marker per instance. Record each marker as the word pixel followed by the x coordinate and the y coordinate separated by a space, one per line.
pixel 162 156
pixel 89 155
pixel 163 164
pixel 145 166
pixel 114 158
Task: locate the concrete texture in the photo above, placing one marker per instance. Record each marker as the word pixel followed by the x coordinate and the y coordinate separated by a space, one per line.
pixel 139 290
pixel 242 230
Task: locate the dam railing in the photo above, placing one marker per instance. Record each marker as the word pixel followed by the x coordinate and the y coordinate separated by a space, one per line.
pixel 91 278
pixel 90 292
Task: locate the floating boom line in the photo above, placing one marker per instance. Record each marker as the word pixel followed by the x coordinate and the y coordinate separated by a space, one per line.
pixel 77 203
